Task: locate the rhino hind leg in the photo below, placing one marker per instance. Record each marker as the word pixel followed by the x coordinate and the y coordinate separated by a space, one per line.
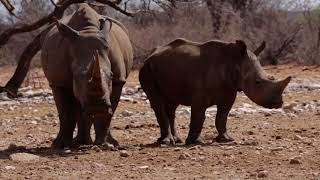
pixel 64 100
pixel 196 124
pixel 221 124
pixel 171 109
pixel 160 110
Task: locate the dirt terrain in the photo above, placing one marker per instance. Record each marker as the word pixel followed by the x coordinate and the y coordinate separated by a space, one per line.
pixel 270 144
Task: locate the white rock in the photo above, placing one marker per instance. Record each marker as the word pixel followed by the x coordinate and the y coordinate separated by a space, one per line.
pixel 298 137
pixel 10 167
pixel 124 153
pixel 143 167
pixel 127 113
pixel 24 157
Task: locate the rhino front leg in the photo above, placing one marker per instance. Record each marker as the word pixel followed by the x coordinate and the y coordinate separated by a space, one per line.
pixel 64 100
pixel 196 124
pixel 221 124
pixel 103 135
pixel 84 126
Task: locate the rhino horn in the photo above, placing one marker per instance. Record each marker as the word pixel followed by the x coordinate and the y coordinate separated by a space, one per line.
pixel 260 48
pixel 67 31
pixel 96 65
pixel 283 83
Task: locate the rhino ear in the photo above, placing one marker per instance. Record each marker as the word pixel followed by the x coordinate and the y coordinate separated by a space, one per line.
pixel 241 48
pixel 260 48
pixel 66 31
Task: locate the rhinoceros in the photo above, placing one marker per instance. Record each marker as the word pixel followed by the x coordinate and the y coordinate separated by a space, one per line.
pixel 86 58
pixel 201 75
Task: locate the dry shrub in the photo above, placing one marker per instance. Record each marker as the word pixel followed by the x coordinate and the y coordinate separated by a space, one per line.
pixel 186 22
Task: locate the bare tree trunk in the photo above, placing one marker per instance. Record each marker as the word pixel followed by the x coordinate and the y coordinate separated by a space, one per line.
pixel 215 10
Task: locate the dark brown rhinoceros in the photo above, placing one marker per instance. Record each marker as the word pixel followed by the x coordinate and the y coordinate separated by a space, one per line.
pixel 86 60
pixel 201 75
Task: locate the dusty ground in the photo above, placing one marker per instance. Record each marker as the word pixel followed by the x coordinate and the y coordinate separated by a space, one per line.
pixel 266 141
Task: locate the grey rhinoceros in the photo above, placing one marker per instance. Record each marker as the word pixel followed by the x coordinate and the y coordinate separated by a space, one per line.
pixel 201 75
pixel 86 59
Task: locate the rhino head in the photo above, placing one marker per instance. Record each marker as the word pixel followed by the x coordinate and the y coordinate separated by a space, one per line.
pixel 91 68
pixel 260 87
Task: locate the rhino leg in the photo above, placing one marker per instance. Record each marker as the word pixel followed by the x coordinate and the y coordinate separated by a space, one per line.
pixel 221 123
pixel 171 109
pixel 196 124
pixel 84 125
pixel 64 100
pixel 104 135
pixel 163 121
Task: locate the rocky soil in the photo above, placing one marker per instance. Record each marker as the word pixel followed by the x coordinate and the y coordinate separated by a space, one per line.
pixel 270 144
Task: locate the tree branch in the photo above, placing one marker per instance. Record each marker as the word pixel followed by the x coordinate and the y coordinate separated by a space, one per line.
pixel 7 4
pixel 58 13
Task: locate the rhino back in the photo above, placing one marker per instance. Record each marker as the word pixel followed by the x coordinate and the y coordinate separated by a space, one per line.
pixel 175 68
pixel 183 69
pixel 121 52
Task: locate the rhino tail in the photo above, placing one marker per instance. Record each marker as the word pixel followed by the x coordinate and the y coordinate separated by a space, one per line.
pixel 149 82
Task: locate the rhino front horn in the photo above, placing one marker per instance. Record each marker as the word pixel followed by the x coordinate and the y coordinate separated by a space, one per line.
pixel 283 84
pixel 66 31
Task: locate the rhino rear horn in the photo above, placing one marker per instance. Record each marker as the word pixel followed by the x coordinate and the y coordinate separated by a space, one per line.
pixel 66 31
pixel 260 48
pixel 96 66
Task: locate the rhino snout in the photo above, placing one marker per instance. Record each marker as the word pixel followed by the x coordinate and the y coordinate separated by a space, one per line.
pixel 274 103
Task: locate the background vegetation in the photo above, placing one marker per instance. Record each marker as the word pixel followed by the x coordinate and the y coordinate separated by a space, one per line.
pixel 291 28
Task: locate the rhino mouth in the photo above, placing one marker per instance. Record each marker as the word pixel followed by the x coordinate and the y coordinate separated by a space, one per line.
pixel 274 104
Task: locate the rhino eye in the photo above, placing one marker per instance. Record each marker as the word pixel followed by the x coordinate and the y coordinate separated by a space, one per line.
pixel 258 82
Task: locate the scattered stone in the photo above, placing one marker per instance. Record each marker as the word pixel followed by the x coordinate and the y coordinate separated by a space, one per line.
pixel 276 149
pixel 169 168
pixel 296 160
pixel 143 167
pixel 108 146
pixel 196 147
pixel 50 115
pixel 24 157
pixel 202 158
pixel 177 149
pixel 262 174
pixel 184 156
pixel 124 153
pixel 127 113
pixel 267 114
pixel 297 137
pixel 10 167
pixel 249 142
pixel 96 148
pixel 278 137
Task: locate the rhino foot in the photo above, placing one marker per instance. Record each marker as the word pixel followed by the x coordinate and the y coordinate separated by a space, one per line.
pixel 194 140
pixel 61 143
pixel 82 140
pixel 168 140
pixel 108 140
pixel 177 139
pixel 224 138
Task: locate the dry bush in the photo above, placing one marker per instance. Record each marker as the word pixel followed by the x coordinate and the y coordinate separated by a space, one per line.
pixel 159 28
